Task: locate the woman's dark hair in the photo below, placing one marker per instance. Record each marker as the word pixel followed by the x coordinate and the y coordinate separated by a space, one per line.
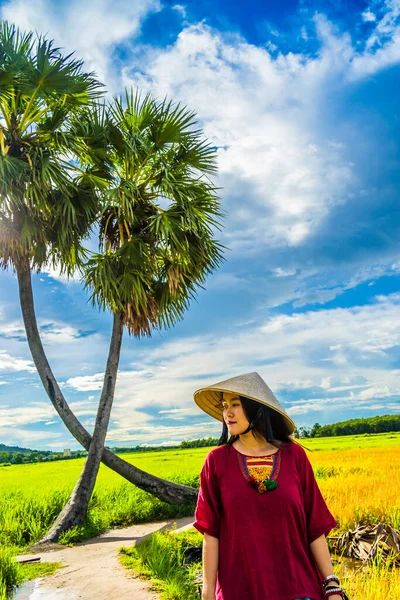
pixel 264 421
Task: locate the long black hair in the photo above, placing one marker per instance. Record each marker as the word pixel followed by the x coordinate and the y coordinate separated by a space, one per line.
pixel 264 421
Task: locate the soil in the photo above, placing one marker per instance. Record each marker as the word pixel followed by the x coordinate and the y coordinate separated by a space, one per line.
pixel 92 569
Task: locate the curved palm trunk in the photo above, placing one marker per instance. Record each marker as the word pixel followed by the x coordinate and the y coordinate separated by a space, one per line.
pixel 166 491
pixel 76 507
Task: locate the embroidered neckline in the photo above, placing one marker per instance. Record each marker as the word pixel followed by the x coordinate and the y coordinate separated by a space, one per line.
pixel 267 472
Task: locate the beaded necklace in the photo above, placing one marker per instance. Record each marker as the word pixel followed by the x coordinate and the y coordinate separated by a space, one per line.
pixel 260 472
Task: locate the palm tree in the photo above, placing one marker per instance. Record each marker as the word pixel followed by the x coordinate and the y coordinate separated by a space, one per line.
pixel 156 238
pixel 48 206
pixel 158 214
pixel 40 91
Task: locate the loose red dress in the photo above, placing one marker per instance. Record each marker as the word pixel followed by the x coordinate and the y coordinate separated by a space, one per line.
pixel 264 539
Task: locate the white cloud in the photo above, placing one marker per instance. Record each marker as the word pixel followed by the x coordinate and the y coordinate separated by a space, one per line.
pixel 181 9
pixel 10 363
pixel 27 438
pixel 11 416
pixel 279 272
pixel 375 392
pixel 84 407
pixel 333 351
pixel 37 412
pixel 159 433
pixel 226 280
pixel 179 411
pixel 383 46
pixel 179 414
pixel 58 332
pixel 280 174
pixel 55 273
pixel 368 16
pixel 11 329
pixel 93 28
pixel 87 383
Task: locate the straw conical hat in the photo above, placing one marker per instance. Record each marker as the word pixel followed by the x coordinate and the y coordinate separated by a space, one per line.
pixel 250 385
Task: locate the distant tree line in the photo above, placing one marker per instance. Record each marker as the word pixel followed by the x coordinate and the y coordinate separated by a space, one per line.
pixel 15 455
pixel 210 441
pixel 383 424
pixel 200 443
pixel 125 450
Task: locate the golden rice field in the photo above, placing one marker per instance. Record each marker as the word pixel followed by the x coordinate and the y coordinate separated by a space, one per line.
pixel 358 476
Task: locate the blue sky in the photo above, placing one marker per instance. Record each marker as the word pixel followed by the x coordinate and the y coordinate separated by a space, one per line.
pixel 301 98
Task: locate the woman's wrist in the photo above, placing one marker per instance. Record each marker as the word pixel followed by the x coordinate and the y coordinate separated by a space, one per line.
pixel 333 592
pixel 208 591
pixel 332 587
pixel 331 579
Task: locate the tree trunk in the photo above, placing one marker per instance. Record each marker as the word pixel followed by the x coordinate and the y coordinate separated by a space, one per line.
pixel 166 491
pixel 75 509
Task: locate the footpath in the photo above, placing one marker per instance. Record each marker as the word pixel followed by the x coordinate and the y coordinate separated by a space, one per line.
pixel 92 570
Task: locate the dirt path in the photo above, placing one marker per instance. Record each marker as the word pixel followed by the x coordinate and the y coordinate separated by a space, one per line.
pixel 92 569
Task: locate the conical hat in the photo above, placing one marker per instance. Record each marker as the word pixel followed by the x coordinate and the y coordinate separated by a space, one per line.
pixel 250 385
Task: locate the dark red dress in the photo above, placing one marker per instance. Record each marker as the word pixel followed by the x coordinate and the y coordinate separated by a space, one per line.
pixel 264 539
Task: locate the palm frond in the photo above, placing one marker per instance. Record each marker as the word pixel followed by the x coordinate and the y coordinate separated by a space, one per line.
pixel 50 203
pixel 155 257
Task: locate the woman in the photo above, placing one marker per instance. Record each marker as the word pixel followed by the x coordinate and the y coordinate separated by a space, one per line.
pixel 259 508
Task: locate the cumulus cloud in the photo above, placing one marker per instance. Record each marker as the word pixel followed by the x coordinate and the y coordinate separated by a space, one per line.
pixel 280 168
pixel 87 383
pixel 285 166
pixel 319 361
pixel 368 16
pixel 58 332
pixel 294 353
pixel 279 176
pixel 11 363
pixel 28 438
pixel 160 434
pixel 17 416
pixel 11 329
pixel 93 29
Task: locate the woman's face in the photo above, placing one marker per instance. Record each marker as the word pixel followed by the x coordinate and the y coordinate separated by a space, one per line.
pixel 233 414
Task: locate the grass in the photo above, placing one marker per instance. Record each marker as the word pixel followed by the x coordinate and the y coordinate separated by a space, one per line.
pixel 13 574
pixel 31 571
pixel 10 572
pixel 25 516
pixel 32 495
pixel 375 581
pixel 160 558
pixel 357 475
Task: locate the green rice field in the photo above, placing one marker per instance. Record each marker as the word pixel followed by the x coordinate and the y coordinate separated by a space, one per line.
pixel 31 495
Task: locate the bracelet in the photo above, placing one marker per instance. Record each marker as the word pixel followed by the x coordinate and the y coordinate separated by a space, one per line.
pixel 330 578
pixel 331 590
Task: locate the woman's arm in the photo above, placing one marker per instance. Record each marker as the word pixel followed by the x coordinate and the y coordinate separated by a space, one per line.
pixel 210 566
pixel 320 551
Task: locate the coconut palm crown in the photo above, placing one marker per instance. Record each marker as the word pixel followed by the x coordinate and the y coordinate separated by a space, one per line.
pixel 46 204
pixel 158 214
